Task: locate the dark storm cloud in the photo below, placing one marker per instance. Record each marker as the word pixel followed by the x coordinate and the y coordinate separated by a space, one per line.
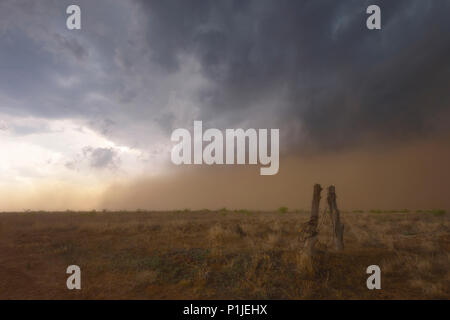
pixel 310 67
pixel 332 76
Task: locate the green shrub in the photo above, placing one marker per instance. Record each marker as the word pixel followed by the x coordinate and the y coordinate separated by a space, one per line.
pixel 244 211
pixel 283 209
pixel 438 212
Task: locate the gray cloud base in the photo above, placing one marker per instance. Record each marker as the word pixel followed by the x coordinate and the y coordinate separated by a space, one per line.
pixel 139 69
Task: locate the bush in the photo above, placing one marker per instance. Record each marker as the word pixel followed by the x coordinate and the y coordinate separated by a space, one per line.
pixel 283 209
pixel 438 212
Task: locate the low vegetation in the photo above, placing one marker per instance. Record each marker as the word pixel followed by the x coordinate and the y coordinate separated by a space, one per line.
pixel 222 254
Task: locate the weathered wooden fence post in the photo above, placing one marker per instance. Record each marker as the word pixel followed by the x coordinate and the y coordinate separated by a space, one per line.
pixel 338 227
pixel 311 228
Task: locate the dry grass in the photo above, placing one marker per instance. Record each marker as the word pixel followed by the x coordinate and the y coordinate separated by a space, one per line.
pixel 220 255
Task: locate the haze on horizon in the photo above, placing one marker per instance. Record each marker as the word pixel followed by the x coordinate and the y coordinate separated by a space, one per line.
pixel 86 116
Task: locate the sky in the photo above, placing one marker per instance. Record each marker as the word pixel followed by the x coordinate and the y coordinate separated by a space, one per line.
pixel 86 115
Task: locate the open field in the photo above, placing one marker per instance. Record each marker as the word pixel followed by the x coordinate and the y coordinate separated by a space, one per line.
pixel 221 255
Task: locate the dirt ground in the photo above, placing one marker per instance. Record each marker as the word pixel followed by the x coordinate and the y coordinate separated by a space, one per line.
pixel 221 255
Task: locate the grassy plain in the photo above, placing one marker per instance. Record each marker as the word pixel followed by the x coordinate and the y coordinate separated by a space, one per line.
pixel 221 255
